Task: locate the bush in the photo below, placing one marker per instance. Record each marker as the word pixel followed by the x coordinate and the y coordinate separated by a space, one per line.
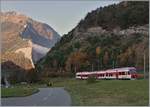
pixel 49 84
pixel 44 80
pixel 32 76
pixel 60 74
pixel 91 79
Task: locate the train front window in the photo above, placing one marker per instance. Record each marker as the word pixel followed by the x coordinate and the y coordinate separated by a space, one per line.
pixel 132 71
pixel 128 73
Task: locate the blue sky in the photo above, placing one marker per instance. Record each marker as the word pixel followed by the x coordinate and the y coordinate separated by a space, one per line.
pixel 63 16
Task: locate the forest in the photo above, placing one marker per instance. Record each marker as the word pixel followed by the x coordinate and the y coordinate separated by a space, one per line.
pixel 108 37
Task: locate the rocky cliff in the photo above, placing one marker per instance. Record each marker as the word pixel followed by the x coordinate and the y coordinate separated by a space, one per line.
pixel 24 40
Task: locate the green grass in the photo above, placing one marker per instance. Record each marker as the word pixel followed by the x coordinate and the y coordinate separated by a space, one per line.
pixel 18 91
pixel 99 93
pixel 106 92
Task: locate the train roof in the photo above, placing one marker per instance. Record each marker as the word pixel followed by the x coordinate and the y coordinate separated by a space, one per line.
pixel 124 68
pixel 109 70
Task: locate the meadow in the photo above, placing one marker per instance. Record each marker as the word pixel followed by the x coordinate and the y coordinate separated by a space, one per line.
pixel 18 91
pixel 106 92
pixel 98 93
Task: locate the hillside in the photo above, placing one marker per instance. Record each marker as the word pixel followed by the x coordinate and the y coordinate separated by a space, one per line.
pixel 120 16
pixel 24 41
pixel 110 36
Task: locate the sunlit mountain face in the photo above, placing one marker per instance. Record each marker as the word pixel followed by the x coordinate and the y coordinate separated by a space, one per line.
pixel 42 41
pixel 24 40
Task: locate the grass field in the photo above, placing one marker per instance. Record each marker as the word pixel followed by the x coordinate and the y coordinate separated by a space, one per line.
pixel 106 92
pixel 100 93
pixel 18 91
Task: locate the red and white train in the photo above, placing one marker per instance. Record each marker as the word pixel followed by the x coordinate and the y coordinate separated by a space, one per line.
pixel 117 73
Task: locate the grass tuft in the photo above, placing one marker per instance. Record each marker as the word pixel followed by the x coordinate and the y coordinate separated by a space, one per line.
pixel 18 91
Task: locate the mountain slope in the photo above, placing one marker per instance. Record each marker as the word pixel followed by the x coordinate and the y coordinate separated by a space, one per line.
pixel 112 36
pixel 24 41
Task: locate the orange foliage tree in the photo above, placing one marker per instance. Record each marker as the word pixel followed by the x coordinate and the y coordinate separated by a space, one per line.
pixel 76 60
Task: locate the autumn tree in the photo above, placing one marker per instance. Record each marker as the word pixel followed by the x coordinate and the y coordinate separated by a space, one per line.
pixel 106 59
pixel 98 52
pixel 114 54
pixel 58 59
pixel 127 58
pixel 76 60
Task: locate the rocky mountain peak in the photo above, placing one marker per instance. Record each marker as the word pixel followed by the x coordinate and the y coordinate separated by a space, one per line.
pixel 21 35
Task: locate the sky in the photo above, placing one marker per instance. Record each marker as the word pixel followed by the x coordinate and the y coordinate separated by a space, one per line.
pixel 61 15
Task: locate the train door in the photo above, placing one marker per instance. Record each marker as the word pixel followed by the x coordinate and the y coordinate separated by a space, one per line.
pixel 117 74
pixel 126 75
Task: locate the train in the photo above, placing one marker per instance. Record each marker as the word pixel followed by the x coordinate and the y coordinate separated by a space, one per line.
pixel 116 73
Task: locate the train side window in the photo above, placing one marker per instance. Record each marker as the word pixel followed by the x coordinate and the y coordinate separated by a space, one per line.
pixel 106 74
pixel 123 73
pixel 119 73
pixel 128 73
pixel 84 75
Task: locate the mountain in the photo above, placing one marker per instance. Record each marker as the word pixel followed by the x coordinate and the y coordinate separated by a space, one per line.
pixel 24 41
pixel 112 36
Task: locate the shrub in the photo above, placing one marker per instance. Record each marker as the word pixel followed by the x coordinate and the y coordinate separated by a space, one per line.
pixel 91 79
pixel 32 76
pixel 60 74
pixel 44 80
pixel 49 84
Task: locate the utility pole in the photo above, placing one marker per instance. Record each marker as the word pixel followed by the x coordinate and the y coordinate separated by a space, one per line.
pixel 144 67
pixel 92 67
pixel 101 64
pixel 113 59
pixel 98 64
pixel 75 69
pixel 116 63
pixel 113 64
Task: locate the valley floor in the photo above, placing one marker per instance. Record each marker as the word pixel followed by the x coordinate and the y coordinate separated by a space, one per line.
pixel 18 91
pixel 106 92
pixel 99 93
